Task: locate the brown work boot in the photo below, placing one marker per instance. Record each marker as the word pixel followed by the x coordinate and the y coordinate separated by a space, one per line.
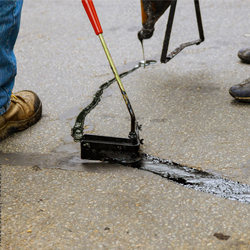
pixel 25 110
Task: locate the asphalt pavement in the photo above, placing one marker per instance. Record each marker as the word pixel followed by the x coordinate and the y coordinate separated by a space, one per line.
pixel 51 199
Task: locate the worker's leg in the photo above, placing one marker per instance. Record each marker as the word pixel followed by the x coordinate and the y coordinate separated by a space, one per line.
pixel 10 14
pixel 24 109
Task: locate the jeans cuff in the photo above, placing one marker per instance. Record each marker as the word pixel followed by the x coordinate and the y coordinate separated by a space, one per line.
pixel 4 108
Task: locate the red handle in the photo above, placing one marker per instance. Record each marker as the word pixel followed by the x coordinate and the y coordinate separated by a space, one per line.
pixel 93 18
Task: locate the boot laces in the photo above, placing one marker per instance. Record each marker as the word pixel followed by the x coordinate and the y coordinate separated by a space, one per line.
pixel 247 81
pixel 13 96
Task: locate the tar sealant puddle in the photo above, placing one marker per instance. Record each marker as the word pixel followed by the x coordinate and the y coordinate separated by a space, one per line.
pixel 196 179
pixel 186 176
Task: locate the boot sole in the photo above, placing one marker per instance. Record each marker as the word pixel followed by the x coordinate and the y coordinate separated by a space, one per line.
pixel 12 127
pixel 241 99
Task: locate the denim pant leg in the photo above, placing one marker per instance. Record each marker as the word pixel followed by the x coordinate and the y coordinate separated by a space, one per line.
pixel 10 15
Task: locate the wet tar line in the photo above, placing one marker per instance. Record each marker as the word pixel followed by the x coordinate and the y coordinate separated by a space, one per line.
pixel 77 130
pixel 196 179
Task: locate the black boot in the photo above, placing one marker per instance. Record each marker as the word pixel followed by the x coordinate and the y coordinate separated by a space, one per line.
pixel 244 55
pixel 241 91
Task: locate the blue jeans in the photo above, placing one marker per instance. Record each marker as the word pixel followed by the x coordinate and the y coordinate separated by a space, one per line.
pixel 10 15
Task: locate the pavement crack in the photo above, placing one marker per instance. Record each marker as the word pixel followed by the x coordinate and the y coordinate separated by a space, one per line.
pixel 188 177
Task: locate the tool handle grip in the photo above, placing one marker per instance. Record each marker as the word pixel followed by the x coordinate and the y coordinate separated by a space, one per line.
pixel 93 18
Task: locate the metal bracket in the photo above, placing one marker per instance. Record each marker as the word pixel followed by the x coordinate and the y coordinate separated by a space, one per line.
pixel 167 57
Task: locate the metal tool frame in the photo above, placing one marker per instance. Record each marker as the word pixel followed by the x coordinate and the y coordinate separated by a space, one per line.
pixel 167 57
pixel 106 148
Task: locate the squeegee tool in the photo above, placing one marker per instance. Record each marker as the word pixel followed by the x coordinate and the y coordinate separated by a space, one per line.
pixel 105 148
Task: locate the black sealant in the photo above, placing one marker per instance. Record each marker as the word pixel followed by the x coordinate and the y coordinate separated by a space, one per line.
pixel 196 179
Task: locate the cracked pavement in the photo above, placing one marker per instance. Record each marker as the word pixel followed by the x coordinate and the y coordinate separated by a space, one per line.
pixel 51 199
